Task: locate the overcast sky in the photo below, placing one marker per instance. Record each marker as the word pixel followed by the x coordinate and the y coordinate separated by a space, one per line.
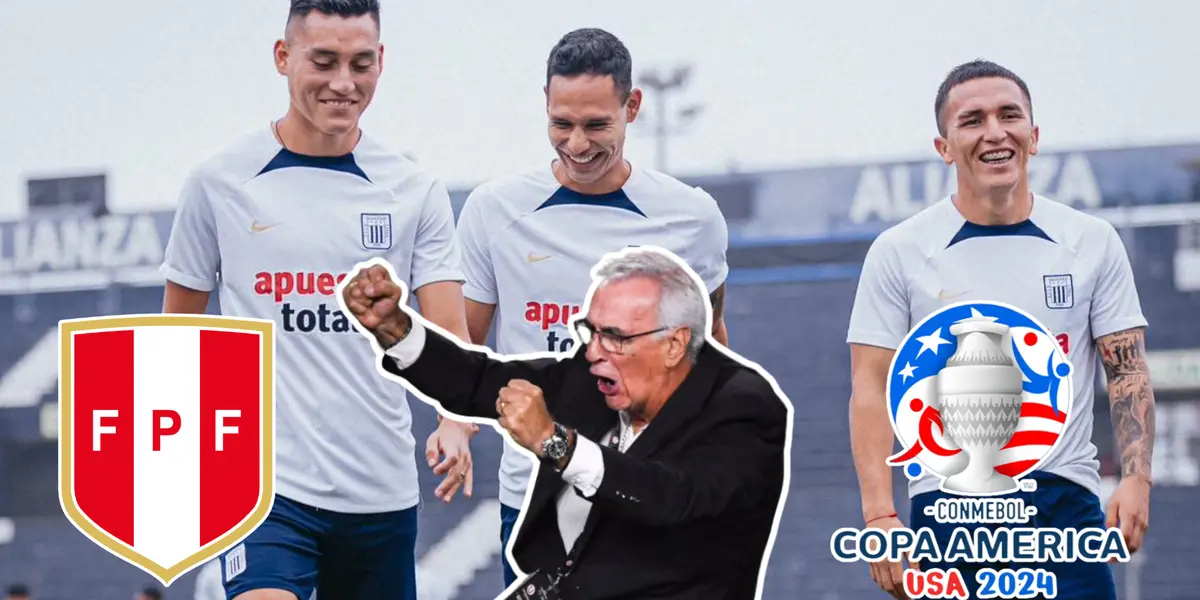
pixel 143 89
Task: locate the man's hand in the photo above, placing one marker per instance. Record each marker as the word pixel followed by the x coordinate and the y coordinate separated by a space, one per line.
pixel 375 301
pixel 1130 506
pixel 524 416
pixel 453 441
pixel 890 575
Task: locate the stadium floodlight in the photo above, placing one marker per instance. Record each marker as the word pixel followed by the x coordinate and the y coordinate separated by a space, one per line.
pixel 660 85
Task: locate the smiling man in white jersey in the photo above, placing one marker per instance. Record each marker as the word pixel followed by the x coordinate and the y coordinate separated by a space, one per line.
pixel 274 220
pixel 529 241
pixel 995 241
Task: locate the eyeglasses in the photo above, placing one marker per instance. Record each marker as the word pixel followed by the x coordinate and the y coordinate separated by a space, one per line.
pixel 609 341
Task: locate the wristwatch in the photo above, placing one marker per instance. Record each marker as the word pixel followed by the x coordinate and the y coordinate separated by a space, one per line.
pixel 556 447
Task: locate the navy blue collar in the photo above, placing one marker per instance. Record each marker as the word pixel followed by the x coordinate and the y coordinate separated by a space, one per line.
pixel 973 230
pixel 564 196
pixel 286 158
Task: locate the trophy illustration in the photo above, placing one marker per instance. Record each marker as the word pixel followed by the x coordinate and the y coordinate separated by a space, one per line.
pixel 980 390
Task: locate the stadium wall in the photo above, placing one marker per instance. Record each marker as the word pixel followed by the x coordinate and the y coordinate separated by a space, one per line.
pixel 797 242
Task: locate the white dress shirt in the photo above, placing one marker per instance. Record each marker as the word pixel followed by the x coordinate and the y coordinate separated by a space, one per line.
pixel 585 471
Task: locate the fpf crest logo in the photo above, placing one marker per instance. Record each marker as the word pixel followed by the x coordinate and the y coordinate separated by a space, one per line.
pixel 979 394
pixel 166 456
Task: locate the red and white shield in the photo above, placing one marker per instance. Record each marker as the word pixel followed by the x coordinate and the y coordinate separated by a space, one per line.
pixel 166 451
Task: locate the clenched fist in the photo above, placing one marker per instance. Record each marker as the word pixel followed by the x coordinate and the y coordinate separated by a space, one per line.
pixel 523 414
pixel 375 301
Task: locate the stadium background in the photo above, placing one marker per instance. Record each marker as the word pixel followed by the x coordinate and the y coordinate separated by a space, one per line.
pixel 797 240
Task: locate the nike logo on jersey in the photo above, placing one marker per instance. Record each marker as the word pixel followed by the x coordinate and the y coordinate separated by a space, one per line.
pixel 534 258
pixel 943 296
pixel 256 228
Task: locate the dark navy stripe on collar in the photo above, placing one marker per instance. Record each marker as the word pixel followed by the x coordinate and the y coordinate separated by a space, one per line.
pixel 973 230
pixel 286 158
pixel 565 196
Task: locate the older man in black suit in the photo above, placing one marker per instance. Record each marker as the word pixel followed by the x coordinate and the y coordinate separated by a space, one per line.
pixel 663 457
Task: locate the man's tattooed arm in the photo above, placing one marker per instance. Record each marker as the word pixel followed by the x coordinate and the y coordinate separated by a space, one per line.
pixel 1124 356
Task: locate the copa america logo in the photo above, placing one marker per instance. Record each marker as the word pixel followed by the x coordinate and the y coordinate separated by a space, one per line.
pixel 979 394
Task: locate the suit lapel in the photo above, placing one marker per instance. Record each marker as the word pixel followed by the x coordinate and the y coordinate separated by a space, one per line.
pixel 598 428
pixel 682 406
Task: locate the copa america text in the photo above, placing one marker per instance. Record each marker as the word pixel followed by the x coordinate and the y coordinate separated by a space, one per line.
pixel 981 545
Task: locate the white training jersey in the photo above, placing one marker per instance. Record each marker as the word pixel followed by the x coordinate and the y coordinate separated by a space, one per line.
pixel 1067 269
pixel 529 245
pixel 274 232
pixel 209 582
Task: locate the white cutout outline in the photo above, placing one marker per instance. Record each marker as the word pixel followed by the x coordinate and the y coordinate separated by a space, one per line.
pixel 583 311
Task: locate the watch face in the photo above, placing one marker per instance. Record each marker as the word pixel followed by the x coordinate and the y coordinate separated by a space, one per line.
pixel 555 447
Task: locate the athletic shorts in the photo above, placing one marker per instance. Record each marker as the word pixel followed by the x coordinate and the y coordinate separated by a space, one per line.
pixel 300 548
pixel 1060 503
pixel 508 520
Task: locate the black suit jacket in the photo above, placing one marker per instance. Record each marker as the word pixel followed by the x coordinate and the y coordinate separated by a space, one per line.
pixel 686 512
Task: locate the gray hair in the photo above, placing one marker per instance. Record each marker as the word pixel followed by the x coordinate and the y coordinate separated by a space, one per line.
pixel 682 302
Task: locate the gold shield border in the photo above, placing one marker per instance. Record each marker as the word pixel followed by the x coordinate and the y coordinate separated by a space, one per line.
pixel 66 494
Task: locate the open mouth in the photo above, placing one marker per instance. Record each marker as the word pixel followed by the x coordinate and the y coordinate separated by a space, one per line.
pixel 997 157
pixel 607 386
pixel 338 103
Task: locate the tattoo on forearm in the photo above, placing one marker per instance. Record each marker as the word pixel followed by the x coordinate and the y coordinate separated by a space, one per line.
pixel 1132 399
pixel 718 302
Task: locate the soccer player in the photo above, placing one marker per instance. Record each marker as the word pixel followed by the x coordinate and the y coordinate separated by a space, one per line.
pixel 281 214
pixel 529 241
pixel 993 240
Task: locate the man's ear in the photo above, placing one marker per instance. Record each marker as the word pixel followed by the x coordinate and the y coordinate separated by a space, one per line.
pixel 677 346
pixel 281 56
pixel 942 146
pixel 633 104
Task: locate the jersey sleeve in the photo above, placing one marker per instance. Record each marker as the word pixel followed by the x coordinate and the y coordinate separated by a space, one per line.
pixel 192 257
pixel 880 316
pixel 712 246
pixel 474 242
pixel 435 256
pixel 1115 302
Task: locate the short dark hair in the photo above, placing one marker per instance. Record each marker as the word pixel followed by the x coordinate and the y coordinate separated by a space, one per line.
pixel 152 592
pixel 340 8
pixel 976 69
pixel 592 51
